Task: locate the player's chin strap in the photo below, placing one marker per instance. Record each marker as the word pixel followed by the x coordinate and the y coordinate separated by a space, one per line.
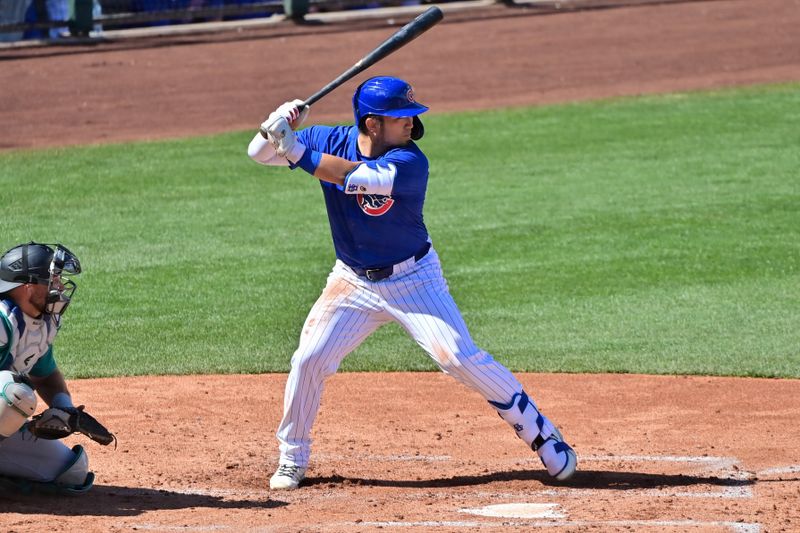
pixel 523 415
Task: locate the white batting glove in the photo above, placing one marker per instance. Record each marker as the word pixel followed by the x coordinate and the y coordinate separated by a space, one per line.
pixel 267 124
pixel 283 138
pixel 294 112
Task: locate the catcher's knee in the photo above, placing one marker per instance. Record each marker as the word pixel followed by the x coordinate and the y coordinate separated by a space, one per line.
pixel 75 476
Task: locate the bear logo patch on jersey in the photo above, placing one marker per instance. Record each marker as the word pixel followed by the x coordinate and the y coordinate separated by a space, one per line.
pixel 374 205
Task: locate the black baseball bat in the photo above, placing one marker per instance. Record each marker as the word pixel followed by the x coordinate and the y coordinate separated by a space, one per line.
pixel 404 35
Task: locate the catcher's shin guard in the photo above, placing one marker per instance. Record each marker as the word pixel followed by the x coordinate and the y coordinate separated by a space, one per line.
pixel 540 434
pixel 75 478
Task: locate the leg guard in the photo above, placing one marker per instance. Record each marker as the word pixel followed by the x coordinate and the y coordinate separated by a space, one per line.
pixel 74 479
pixel 523 415
pixel 540 434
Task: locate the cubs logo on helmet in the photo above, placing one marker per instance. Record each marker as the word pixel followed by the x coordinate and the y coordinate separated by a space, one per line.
pixel 374 205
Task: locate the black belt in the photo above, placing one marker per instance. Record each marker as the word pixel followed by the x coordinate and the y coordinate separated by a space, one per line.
pixel 379 273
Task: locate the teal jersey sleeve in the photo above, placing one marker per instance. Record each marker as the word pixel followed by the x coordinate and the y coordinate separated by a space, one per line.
pixel 45 366
pixel 5 349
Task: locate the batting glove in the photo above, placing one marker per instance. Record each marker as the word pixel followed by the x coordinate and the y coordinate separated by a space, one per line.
pixel 294 112
pixel 283 139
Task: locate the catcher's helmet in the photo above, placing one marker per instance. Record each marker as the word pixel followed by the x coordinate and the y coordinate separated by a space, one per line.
pixel 41 264
pixel 387 97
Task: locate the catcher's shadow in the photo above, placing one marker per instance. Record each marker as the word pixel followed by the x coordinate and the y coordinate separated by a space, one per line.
pixel 109 500
pixel 583 479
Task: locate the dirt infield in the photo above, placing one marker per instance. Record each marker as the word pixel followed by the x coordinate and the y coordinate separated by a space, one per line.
pixel 657 453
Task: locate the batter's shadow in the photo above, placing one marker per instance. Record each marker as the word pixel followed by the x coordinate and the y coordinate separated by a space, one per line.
pixel 583 479
pixel 109 500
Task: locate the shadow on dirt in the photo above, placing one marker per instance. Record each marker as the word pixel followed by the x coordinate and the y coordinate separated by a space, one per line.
pixel 583 479
pixel 124 501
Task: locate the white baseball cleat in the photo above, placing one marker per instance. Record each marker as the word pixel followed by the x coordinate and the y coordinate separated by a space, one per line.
pixel 557 456
pixel 287 477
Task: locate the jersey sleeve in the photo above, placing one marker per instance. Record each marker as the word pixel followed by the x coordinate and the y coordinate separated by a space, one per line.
pixel 5 341
pixel 411 170
pixel 45 366
pixel 315 138
pixel 5 331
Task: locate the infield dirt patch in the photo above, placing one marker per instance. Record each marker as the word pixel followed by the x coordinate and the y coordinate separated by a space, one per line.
pixel 658 453
pixel 399 451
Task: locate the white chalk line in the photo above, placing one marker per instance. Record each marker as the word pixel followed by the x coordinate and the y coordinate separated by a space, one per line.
pixel 737 527
pixel 221 493
pixel 728 465
pixel 161 527
pixel 382 458
pixel 791 469
pixel 724 493
pixel 518 510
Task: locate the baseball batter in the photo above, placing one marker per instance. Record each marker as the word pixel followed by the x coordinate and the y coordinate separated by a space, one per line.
pixel 35 290
pixel 374 178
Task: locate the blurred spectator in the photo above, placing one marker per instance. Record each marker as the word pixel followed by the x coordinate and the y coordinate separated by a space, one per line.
pixel 58 10
pixel 36 12
pixel 45 11
pixel 12 12
pixel 97 12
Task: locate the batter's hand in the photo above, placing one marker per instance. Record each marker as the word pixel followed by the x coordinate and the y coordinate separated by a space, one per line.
pixel 294 112
pixel 283 138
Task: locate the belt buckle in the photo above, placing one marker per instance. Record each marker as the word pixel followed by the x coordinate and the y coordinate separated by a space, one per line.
pixel 378 274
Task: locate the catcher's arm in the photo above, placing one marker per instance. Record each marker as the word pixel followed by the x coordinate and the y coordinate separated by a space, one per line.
pixel 62 419
pixel 51 386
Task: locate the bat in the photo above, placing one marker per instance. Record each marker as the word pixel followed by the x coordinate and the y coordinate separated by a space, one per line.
pixel 402 37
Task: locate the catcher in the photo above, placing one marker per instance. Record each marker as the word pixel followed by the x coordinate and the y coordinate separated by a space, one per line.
pixel 35 290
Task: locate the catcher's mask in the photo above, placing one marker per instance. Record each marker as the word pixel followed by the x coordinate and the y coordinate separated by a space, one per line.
pixel 387 97
pixel 41 264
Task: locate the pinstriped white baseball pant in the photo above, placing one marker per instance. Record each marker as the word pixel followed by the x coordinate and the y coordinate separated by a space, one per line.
pixel 350 309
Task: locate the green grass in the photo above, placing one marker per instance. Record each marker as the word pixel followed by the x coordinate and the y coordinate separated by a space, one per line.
pixel 653 235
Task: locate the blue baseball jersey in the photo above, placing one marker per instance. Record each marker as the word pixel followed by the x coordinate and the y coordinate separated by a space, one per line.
pixel 371 230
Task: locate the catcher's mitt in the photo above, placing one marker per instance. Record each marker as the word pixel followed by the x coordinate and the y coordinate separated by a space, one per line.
pixel 59 422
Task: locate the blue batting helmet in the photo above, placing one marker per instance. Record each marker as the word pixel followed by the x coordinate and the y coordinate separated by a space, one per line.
pixel 387 97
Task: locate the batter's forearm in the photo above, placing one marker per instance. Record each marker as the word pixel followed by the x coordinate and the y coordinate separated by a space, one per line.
pixel 261 151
